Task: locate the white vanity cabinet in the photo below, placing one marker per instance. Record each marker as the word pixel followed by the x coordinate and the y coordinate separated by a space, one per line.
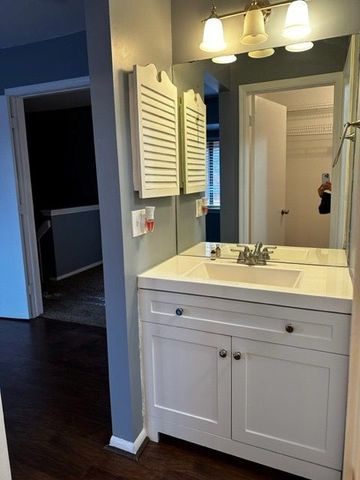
pixel 289 400
pixel 189 382
pixel 262 382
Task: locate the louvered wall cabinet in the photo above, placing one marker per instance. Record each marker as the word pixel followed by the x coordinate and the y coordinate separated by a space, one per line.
pixel 193 142
pixel 154 133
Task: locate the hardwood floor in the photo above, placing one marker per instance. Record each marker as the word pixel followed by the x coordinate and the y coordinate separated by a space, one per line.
pixel 53 380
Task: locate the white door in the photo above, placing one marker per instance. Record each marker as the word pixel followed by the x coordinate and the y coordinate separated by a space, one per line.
pixel 188 377
pixel 14 298
pixel 5 473
pixel 26 209
pixel 268 172
pixel 290 400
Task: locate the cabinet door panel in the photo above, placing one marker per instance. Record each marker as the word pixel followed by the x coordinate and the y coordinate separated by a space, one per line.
pixel 290 400
pixel 187 382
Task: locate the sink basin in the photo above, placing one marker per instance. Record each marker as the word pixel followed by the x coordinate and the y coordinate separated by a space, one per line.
pixel 244 274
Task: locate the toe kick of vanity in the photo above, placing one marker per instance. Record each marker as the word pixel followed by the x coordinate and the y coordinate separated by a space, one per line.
pixel 262 382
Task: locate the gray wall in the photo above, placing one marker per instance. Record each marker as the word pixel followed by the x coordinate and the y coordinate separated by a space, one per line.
pixel 329 18
pixel 121 34
pixel 73 243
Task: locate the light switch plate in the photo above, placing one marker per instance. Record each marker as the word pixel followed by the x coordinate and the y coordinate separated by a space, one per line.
pixel 198 208
pixel 138 222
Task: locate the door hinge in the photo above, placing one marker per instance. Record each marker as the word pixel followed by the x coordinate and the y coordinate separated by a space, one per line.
pixel 12 122
pixel 251 120
pixel 29 288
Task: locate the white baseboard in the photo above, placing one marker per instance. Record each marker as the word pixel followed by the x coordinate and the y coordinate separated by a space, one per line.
pixel 75 272
pixel 130 447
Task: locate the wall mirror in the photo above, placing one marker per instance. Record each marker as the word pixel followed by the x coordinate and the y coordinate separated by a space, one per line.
pixel 273 129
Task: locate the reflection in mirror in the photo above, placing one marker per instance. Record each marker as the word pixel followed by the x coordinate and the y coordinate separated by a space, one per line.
pixel 273 126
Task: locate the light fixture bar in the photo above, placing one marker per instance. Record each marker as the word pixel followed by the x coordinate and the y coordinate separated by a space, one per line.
pixel 244 12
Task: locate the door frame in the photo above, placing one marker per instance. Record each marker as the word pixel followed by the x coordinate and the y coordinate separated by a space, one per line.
pixel 245 135
pixel 16 119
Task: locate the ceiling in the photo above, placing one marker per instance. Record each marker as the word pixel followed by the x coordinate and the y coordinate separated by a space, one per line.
pixel 28 21
pixel 319 96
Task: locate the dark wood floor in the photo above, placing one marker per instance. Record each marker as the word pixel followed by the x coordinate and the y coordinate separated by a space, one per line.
pixel 53 380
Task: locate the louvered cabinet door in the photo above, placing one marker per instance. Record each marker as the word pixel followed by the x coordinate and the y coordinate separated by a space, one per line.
pixel 193 142
pixel 154 130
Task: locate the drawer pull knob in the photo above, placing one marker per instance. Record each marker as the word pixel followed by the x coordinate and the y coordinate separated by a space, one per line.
pixel 179 311
pixel 289 328
pixel 237 355
pixel 223 353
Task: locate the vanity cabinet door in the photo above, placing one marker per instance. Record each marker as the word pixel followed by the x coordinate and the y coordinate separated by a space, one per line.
pixel 289 400
pixel 188 378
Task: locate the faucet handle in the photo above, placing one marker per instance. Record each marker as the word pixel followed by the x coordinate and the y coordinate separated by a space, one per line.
pixel 262 257
pixel 266 253
pixel 241 257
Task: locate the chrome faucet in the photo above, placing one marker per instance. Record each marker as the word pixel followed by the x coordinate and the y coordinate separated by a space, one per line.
pixel 258 256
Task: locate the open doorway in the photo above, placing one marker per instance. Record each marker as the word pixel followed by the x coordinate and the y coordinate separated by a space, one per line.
pixel 326 121
pixel 291 152
pixel 56 136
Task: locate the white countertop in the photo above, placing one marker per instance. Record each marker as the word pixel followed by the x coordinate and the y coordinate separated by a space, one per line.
pixel 305 255
pixel 319 287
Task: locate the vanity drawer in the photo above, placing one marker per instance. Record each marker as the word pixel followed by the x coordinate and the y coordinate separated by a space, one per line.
pixel 324 331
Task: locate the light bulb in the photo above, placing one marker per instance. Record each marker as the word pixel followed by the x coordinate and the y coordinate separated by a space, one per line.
pixel 224 59
pixel 213 37
pixel 297 20
pixel 266 52
pixel 254 28
pixel 299 47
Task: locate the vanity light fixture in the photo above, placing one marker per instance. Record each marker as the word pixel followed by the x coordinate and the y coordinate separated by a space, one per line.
pixel 223 59
pixel 297 23
pixel 299 47
pixel 256 14
pixel 266 52
pixel 254 26
pixel 213 37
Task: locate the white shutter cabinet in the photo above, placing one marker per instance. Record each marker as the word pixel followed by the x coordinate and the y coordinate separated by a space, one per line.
pixel 193 142
pixel 154 133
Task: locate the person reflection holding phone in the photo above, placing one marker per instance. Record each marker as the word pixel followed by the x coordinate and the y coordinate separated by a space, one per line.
pixel 324 192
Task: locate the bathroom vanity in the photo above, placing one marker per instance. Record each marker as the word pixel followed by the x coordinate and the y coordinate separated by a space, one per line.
pixel 251 361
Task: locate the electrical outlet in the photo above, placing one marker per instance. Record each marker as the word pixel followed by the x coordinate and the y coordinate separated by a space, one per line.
pixel 138 222
pixel 198 208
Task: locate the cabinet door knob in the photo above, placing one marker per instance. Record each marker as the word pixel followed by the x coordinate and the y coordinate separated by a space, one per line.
pixel 289 328
pixel 223 353
pixel 179 311
pixel 237 355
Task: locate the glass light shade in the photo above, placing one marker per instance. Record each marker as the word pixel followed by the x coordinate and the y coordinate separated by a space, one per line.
pixel 254 28
pixel 299 47
pixel 266 52
pixel 213 38
pixel 297 20
pixel 224 59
